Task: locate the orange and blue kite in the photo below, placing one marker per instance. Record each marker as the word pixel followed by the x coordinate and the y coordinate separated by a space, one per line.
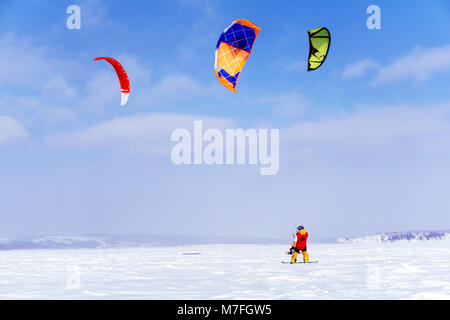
pixel 233 48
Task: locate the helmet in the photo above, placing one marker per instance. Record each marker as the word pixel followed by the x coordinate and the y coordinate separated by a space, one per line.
pixel 300 228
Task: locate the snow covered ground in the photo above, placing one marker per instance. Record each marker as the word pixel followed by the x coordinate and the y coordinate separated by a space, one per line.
pixel 404 270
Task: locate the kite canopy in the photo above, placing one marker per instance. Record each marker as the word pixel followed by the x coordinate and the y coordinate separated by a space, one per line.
pixel 233 48
pixel 123 78
pixel 319 43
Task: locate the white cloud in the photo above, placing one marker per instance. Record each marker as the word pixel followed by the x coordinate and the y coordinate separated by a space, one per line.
pixel 367 166
pixel 359 68
pixel 55 115
pixel 58 86
pixel 420 64
pixel 27 65
pixel 11 130
pixel 137 134
pixel 51 104
pixel 36 85
pixel 100 90
pixel 41 87
pixel 359 171
pixel 287 104
pixel 373 132
pixel 174 88
pixel 177 84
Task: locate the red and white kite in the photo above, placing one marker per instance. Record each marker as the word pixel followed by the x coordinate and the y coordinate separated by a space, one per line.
pixel 123 78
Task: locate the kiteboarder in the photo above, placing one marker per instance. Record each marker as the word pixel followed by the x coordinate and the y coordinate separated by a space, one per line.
pixel 299 244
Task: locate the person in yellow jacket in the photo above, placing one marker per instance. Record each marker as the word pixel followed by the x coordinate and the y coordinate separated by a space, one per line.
pixel 299 244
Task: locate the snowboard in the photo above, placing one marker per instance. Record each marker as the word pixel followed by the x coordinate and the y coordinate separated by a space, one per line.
pixel 299 262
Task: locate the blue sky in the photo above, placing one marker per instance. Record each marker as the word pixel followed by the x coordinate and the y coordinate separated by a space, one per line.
pixel 364 139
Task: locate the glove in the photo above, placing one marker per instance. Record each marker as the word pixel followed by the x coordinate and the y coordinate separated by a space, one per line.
pixel 291 250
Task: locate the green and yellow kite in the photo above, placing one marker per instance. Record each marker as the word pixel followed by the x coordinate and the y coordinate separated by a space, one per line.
pixel 319 44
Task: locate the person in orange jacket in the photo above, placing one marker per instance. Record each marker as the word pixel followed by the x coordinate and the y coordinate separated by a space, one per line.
pixel 299 244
